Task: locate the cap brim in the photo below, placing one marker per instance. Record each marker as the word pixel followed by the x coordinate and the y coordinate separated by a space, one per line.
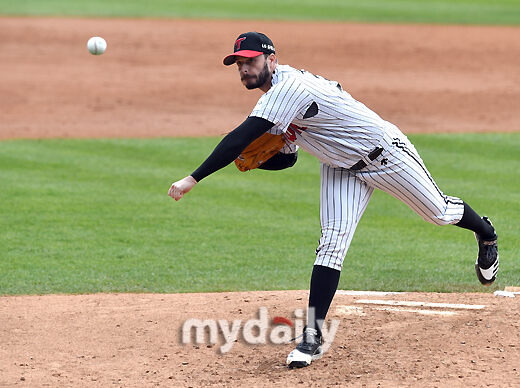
pixel 231 58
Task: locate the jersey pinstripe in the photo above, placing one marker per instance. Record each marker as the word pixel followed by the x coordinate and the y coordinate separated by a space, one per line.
pixel 345 194
pixel 320 117
pixel 343 130
pixel 400 172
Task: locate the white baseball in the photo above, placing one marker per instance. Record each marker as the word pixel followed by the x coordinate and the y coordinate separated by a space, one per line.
pixel 96 45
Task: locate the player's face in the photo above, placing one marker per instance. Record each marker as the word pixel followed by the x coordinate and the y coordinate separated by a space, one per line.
pixel 254 72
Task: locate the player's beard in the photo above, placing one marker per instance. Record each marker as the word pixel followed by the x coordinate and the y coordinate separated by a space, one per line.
pixel 261 79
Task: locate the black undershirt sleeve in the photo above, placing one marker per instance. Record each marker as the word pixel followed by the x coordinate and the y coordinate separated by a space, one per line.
pixel 232 145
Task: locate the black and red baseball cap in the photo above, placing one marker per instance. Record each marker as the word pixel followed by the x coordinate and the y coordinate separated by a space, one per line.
pixel 250 45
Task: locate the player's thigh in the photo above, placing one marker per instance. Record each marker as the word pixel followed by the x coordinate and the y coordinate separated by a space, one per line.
pixel 343 200
pixel 406 177
pixel 343 196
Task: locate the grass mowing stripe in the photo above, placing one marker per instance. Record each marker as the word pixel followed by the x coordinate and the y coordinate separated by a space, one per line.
pixel 82 216
pixel 417 11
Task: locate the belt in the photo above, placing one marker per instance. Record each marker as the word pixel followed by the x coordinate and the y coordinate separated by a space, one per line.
pixel 372 155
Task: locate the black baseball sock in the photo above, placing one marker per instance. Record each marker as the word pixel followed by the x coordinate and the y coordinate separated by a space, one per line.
pixel 324 282
pixel 472 221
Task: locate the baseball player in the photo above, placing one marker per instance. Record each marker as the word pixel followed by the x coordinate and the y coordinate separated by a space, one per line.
pixel 359 152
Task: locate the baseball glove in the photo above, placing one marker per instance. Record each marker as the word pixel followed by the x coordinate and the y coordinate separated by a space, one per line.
pixel 259 151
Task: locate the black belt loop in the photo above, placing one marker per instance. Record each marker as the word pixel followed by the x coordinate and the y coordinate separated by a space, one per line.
pixel 372 155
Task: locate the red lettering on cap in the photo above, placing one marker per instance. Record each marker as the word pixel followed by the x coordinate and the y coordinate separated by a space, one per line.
pixel 238 42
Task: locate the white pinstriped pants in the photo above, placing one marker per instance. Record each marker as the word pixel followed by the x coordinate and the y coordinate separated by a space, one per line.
pixel 345 194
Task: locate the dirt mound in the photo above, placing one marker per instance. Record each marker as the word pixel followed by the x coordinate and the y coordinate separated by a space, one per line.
pixel 136 340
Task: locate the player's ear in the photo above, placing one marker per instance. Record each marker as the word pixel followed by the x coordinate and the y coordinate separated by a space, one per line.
pixel 272 61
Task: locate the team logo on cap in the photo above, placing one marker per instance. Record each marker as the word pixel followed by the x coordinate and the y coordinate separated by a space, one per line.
pixel 238 43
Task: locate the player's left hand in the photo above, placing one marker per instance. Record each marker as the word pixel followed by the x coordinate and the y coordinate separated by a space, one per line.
pixel 179 188
pixel 259 151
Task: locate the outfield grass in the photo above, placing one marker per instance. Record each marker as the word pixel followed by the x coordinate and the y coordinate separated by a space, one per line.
pixel 83 216
pixel 415 11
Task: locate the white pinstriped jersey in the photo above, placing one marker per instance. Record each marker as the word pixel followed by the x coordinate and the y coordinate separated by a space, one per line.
pixel 340 132
pixel 343 130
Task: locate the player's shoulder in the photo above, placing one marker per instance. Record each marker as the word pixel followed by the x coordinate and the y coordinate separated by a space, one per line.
pixel 286 77
pixel 286 69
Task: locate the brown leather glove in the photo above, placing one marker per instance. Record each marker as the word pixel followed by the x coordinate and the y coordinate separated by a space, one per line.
pixel 259 151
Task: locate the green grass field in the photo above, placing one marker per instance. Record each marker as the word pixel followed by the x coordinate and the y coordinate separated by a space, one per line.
pixel 82 216
pixel 416 11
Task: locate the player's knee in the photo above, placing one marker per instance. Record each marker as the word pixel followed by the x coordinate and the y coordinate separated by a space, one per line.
pixel 333 245
pixel 330 255
pixel 439 219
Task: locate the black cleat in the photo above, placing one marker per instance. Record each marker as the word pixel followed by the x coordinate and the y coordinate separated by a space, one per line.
pixel 308 350
pixel 487 260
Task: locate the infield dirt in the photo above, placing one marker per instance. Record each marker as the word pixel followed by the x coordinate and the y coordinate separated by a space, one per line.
pixel 166 78
pixel 132 340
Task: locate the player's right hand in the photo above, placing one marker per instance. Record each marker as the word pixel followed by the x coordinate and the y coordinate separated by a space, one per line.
pixel 179 188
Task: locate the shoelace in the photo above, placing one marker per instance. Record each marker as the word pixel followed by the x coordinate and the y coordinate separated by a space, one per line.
pixel 295 338
pixel 301 335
